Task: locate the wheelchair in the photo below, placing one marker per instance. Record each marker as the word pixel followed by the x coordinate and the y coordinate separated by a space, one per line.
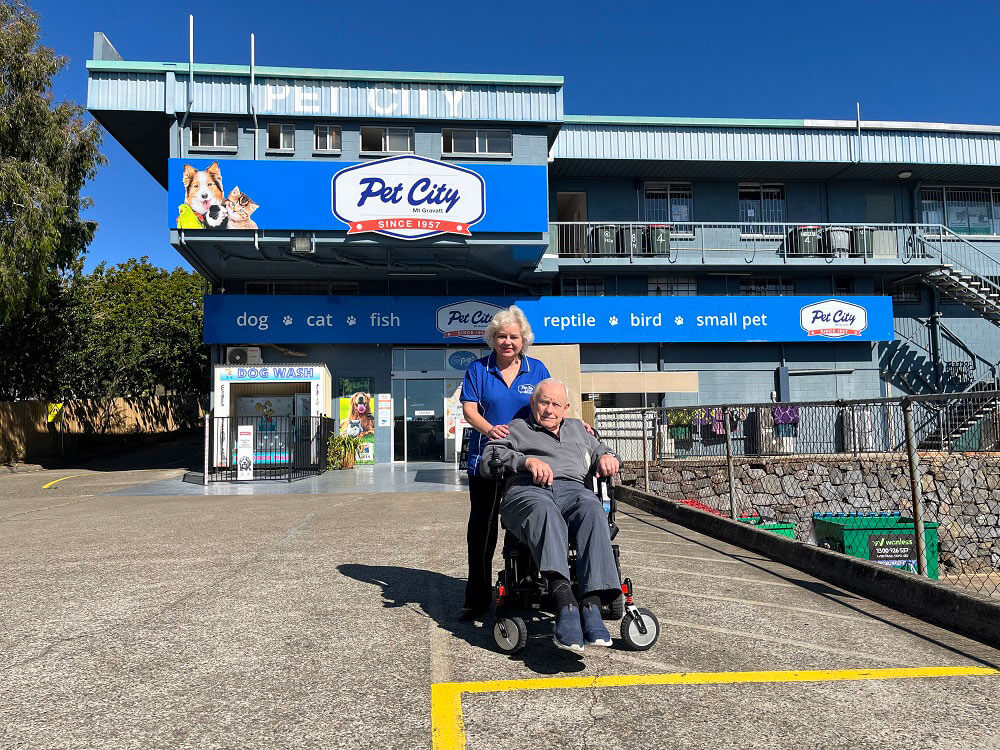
pixel 521 588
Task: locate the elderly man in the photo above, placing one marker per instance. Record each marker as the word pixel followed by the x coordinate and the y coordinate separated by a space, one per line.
pixel 547 503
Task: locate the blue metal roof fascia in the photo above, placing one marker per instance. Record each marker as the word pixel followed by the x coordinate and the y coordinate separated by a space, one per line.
pixel 734 122
pixel 770 144
pixel 131 66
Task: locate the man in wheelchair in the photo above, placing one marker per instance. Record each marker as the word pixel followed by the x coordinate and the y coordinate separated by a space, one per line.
pixel 546 504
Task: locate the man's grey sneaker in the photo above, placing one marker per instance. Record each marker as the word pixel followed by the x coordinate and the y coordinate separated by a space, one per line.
pixel 568 634
pixel 594 632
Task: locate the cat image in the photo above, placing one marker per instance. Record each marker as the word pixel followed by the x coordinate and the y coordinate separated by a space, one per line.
pixel 239 206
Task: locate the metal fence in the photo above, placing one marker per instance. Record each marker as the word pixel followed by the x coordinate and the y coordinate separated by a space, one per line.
pixel 912 482
pixel 285 448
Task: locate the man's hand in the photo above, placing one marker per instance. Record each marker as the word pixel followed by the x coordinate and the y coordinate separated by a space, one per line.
pixel 607 466
pixel 589 429
pixel 541 472
pixel 498 431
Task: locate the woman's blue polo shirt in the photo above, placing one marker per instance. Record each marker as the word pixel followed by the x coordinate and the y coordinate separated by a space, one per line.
pixel 498 403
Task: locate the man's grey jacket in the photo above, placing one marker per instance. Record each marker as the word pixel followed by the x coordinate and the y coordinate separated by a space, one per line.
pixel 571 454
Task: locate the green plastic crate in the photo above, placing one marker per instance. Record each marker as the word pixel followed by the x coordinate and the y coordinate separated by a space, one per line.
pixel 887 538
pixel 784 529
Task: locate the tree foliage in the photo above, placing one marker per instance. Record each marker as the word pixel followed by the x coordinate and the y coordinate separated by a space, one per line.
pixel 47 152
pixel 126 330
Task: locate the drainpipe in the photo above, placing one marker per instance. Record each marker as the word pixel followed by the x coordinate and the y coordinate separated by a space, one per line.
pixel 935 321
pixel 253 108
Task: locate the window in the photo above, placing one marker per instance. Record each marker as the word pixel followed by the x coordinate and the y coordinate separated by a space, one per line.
pixel 454 141
pixel 670 203
pixel 673 286
pixel 300 287
pixel 386 140
pixel 761 204
pixel 583 286
pixel 964 210
pixel 348 386
pixel 326 138
pixel 280 137
pixel 843 285
pixel 763 286
pixel 213 135
pixel 906 293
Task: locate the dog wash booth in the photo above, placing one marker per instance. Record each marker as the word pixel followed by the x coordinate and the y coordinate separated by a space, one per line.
pixel 270 398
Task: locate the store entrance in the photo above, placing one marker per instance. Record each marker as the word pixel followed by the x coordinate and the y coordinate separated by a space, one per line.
pixel 425 420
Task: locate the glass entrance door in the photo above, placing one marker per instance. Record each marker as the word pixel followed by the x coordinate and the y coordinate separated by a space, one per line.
pixel 424 420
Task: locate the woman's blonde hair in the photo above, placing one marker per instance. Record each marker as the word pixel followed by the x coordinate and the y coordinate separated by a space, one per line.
pixel 504 318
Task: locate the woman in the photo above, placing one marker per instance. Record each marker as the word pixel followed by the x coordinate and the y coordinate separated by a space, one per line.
pixel 497 389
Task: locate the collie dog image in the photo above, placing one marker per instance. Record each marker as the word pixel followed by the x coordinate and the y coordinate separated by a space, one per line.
pixel 361 420
pixel 204 200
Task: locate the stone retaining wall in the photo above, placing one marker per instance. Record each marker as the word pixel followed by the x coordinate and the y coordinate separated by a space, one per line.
pixel 961 491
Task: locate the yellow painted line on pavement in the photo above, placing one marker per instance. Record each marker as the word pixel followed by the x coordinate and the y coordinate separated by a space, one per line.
pixel 448 726
pixel 56 481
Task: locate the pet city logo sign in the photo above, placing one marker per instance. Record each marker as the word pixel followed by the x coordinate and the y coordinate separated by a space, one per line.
pixel 409 197
pixel 465 320
pixel 833 318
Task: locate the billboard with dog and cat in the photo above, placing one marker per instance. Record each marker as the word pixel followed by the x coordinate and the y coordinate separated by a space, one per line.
pixel 357 419
pixel 407 197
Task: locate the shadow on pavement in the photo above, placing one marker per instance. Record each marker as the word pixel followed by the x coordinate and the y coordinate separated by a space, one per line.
pixel 440 597
pixel 182 452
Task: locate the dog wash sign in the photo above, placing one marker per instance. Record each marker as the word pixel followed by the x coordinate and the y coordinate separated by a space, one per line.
pixel 409 197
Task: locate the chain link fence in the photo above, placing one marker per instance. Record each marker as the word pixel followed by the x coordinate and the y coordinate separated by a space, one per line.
pixel 910 482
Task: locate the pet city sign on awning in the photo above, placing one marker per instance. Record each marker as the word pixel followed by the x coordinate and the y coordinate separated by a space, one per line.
pixel 407 197
pixel 303 319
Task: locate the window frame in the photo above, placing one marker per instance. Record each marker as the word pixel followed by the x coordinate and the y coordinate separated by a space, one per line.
pixel 283 129
pixel 760 187
pixel 671 188
pixel 329 128
pixel 993 206
pixel 906 294
pixel 589 281
pixel 385 139
pixel 477 135
pixel 785 286
pixel 679 286
pixel 196 127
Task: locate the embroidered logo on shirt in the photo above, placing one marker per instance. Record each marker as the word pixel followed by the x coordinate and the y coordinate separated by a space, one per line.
pixel 526 388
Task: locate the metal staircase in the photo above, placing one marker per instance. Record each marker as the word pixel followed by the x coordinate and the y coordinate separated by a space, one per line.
pixel 969 423
pixel 966 274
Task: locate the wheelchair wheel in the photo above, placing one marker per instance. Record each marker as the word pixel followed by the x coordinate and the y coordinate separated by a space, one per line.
pixel 634 638
pixel 615 610
pixel 516 636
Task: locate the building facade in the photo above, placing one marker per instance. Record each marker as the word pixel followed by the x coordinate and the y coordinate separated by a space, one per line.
pixel 368 223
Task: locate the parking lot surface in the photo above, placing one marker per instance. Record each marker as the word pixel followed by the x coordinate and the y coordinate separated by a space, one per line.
pixel 137 620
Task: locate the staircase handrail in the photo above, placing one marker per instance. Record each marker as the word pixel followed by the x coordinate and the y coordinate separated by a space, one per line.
pixel 946 232
pixel 953 337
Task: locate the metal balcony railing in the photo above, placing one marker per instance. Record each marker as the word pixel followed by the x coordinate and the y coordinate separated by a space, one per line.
pixel 709 242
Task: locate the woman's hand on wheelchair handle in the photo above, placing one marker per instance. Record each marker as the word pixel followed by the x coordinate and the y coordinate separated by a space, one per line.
pixel 541 472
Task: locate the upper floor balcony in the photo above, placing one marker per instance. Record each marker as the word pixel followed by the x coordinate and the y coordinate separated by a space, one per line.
pixel 764 243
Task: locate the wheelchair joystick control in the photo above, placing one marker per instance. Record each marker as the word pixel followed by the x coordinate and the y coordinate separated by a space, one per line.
pixel 495 464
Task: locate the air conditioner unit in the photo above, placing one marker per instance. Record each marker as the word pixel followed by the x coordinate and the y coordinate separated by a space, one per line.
pixel 243 355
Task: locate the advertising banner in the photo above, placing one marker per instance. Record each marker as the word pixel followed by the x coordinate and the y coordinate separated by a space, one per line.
pixel 408 197
pixel 304 319
pixel 244 452
pixel 357 418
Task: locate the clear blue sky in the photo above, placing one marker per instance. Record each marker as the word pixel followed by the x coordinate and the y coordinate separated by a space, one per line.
pixel 903 59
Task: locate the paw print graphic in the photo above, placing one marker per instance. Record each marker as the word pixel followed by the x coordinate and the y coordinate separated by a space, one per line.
pixel 613 320
pixel 678 321
pixel 351 320
pixel 287 320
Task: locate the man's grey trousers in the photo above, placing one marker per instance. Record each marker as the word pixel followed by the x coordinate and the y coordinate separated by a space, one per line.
pixel 546 518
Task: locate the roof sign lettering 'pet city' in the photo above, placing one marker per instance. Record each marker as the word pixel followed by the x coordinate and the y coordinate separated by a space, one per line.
pixel 409 197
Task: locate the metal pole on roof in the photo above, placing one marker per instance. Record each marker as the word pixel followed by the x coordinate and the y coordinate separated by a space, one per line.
pixel 253 108
pixel 857 155
pixel 190 100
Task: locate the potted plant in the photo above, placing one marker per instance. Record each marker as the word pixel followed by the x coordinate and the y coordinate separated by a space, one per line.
pixel 342 451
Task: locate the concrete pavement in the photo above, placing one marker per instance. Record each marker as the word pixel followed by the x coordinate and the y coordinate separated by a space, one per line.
pixel 299 620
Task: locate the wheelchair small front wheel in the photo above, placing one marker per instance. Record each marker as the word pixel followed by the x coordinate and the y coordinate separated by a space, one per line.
pixel 632 634
pixel 510 633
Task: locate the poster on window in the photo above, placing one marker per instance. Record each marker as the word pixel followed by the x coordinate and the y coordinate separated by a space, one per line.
pixel 357 419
